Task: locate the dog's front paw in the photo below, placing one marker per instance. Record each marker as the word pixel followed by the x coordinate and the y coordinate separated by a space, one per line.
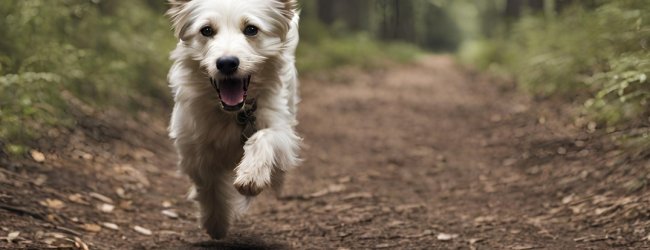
pixel 249 188
pixel 250 184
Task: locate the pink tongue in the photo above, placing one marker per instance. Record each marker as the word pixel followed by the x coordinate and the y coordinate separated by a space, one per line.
pixel 232 92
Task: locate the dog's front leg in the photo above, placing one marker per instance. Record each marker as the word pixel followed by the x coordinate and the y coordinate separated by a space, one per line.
pixel 269 150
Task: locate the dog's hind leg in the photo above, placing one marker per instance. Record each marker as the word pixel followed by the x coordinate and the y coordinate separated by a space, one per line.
pixel 277 183
pixel 214 202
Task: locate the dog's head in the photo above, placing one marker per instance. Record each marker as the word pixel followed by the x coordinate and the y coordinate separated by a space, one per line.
pixel 232 40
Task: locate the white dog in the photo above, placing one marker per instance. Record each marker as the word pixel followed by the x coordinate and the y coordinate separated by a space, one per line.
pixel 235 86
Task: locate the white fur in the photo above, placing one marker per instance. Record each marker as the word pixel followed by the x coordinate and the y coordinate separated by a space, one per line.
pixel 207 138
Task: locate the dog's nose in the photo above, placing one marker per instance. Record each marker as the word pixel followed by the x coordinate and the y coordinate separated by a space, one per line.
pixel 227 64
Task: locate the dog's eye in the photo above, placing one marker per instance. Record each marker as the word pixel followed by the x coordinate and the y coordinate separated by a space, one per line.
pixel 207 31
pixel 251 30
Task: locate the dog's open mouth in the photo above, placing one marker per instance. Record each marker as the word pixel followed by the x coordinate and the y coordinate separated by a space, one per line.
pixel 232 91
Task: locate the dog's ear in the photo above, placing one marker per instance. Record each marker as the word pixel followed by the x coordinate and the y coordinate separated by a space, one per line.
pixel 289 8
pixel 178 16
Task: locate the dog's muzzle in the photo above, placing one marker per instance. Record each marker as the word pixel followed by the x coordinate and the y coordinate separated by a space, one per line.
pixel 232 91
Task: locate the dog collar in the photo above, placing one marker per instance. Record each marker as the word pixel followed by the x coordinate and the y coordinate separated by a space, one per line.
pixel 246 119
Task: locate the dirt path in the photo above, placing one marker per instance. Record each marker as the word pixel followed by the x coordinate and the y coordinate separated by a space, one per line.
pixel 421 156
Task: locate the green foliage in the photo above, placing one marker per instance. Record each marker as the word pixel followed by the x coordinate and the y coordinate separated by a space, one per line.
pixel 357 50
pixel 601 52
pixel 103 52
pixel 623 89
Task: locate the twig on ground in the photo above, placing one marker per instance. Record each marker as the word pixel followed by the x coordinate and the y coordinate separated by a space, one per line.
pixel 22 211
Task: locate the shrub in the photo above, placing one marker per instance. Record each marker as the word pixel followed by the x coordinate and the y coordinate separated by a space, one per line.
pixel 103 52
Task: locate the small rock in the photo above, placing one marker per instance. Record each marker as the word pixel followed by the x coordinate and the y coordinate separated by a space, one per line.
pixel 170 213
pixel 37 156
pixel 474 241
pixel 111 226
pixel 446 237
pixel 142 230
pixel 107 208
pixel 121 193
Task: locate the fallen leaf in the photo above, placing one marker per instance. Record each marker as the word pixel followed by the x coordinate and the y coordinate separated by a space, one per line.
pixel 126 205
pixel 395 223
pixel 509 162
pixel 107 208
pixel 142 230
pixel 80 244
pixel 334 188
pixel 37 156
pixel 344 234
pixel 49 241
pixel 53 203
pixel 408 207
pixel 77 198
pixel 362 195
pixel 485 219
pixel 568 199
pixel 384 245
pixel 87 156
pixel 121 193
pixel 12 236
pixel 523 247
pixel 446 237
pixel 40 180
pixel 170 213
pixel 101 197
pixel 423 234
pixel 474 241
pixel 111 226
pixel 345 179
pixel 93 228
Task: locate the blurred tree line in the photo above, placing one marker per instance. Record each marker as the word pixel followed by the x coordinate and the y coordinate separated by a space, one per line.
pixel 420 22
pixel 111 52
pixel 438 25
